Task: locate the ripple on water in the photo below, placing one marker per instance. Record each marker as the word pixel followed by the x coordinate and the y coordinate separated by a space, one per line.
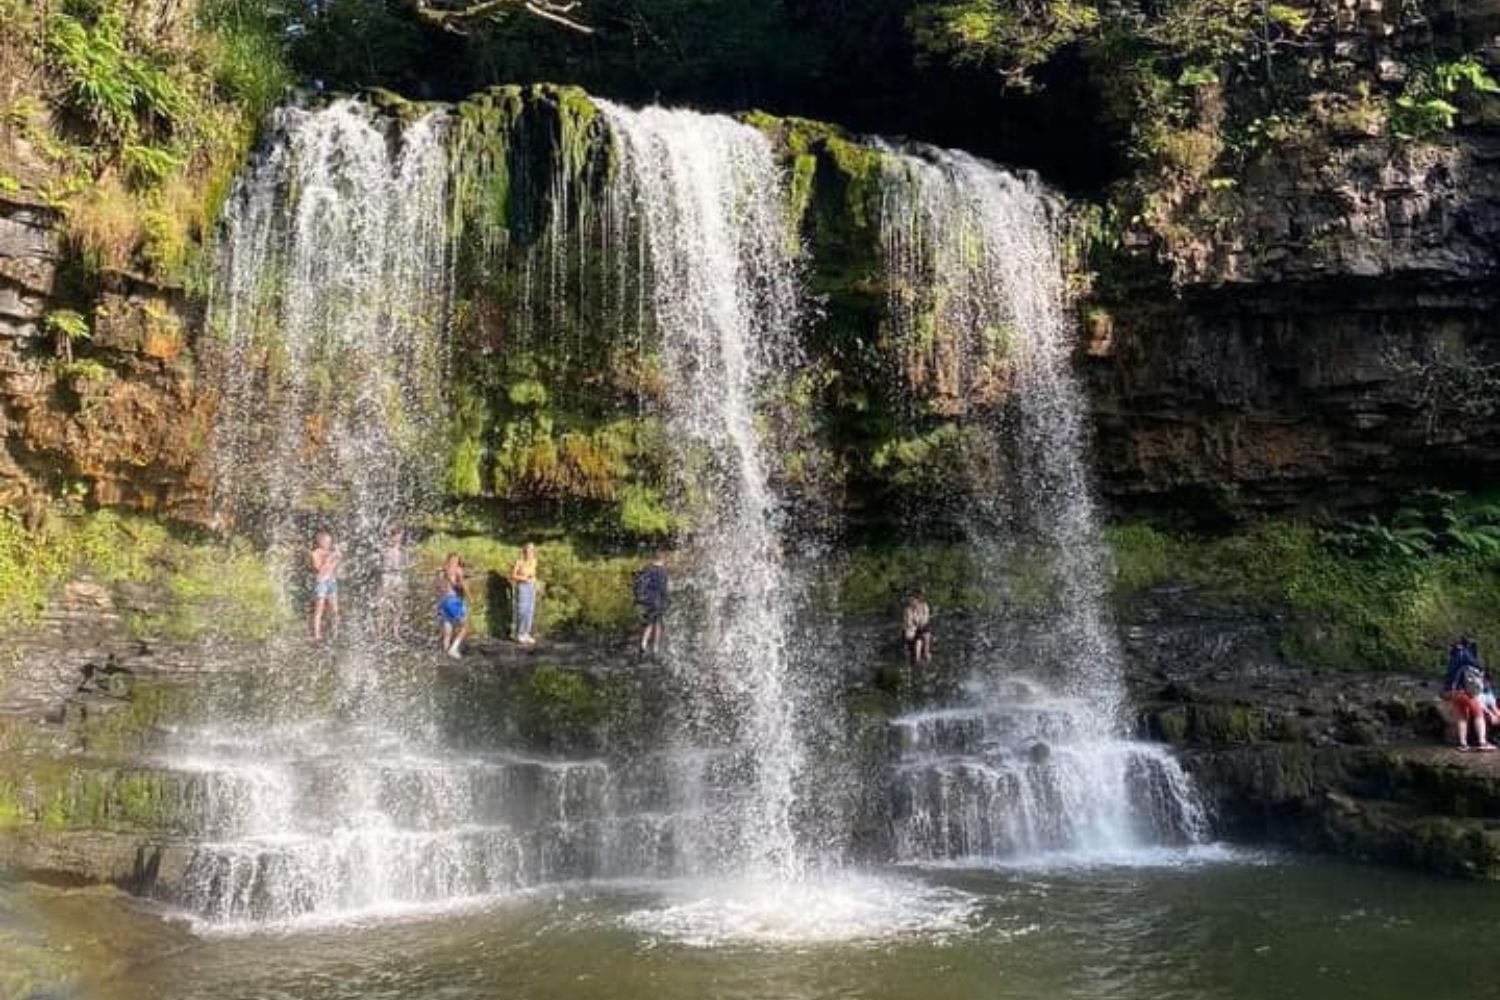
pixel 1190 856
pixel 835 909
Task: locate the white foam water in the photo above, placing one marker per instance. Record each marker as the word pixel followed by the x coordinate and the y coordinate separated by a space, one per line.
pixel 821 910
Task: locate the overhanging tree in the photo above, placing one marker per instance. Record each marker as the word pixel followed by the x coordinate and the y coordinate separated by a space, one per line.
pixel 459 16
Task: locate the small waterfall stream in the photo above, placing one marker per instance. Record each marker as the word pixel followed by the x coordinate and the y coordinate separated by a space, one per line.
pixel 706 194
pixel 328 306
pixel 1036 760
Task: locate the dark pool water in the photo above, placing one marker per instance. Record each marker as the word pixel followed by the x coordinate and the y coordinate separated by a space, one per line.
pixel 1247 928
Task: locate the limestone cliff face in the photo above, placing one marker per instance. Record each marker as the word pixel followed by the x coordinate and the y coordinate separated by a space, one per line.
pixel 124 422
pixel 1326 337
pixel 1331 340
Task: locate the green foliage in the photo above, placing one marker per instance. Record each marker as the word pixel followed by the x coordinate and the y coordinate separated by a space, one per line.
pixel 644 513
pixel 86 369
pixel 227 592
pixel 1385 599
pixel 1012 38
pixel 1143 556
pixel 527 392
pixel 149 165
pixel 147 110
pixel 579 593
pixel 207 589
pixel 249 60
pixel 1427 109
pixel 875 581
pixel 119 90
pixel 929 459
pixel 1465 75
pixel 467 418
pixel 1439 522
pixel 67 328
pixel 1421 115
pixel 560 705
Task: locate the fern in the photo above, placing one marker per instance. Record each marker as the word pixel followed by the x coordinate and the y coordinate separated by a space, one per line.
pixel 147 165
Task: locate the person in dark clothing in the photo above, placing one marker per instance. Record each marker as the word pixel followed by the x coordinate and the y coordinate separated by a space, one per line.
pixel 1463 688
pixel 651 603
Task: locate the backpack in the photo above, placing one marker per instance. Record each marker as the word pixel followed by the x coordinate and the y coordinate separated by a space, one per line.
pixel 641 588
pixel 1473 680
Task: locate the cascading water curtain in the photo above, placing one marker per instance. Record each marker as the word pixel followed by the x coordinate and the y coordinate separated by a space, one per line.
pixel 701 199
pixel 1041 761
pixel 327 312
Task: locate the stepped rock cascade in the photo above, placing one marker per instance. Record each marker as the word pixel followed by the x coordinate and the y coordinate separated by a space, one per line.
pixel 1036 761
pixel 707 199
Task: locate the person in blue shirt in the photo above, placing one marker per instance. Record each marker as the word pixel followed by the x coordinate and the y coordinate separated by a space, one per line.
pixel 651 604
pixel 1463 688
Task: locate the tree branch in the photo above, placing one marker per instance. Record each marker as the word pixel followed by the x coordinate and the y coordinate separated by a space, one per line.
pixel 458 19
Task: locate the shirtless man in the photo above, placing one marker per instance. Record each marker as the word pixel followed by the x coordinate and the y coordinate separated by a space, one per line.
pixel 325 564
pixel 453 604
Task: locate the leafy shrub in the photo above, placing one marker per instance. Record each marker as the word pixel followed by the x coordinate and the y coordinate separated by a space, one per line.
pixel 211 589
pixel 1371 594
pixel 578 593
pixel 151 98
pixel 1427 107
pixel 67 327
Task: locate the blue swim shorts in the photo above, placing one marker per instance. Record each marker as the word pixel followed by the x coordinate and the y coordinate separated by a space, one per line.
pixel 453 609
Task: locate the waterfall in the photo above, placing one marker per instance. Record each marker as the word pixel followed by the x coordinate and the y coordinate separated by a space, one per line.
pixel 321 802
pixel 706 197
pixel 1037 761
pixel 337 783
pixel 326 317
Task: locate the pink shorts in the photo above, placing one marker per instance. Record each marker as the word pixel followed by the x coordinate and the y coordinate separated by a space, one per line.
pixel 1468 706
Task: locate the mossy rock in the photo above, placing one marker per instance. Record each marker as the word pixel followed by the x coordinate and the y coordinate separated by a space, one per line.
pixel 562 709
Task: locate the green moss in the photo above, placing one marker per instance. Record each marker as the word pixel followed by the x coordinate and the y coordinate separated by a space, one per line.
pixel 209 588
pixel 1143 556
pixel 225 592
pixel 13 811
pixel 1350 610
pixel 877 580
pixel 644 513
pixel 927 461
pixel 63 794
pixel 560 705
pixel 1171 725
pixel 831 172
pixel 506 143
pixel 468 417
pixel 579 593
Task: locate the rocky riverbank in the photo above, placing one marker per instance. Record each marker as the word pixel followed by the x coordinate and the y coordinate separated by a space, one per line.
pixel 1348 762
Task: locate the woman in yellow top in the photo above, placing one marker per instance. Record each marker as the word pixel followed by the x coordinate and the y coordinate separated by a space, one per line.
pixel 523 576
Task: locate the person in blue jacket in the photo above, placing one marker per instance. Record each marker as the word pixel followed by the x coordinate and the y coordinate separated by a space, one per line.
pixel 651 603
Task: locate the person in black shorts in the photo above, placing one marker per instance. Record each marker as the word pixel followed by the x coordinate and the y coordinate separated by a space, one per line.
pixel 651 603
